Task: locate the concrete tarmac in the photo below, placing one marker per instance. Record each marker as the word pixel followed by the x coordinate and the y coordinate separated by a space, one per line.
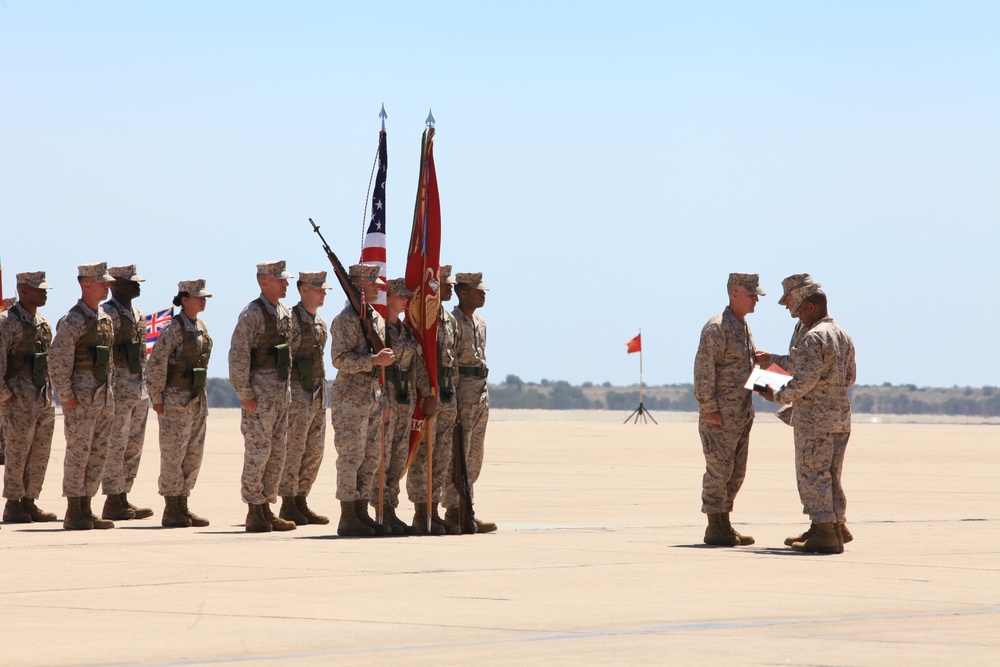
pixel 598 560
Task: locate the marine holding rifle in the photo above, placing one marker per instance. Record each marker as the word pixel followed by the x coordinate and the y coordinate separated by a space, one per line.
pixel 358 405
pixel 259 370
pixel 176 375
pixel 472 391
pixel 82 374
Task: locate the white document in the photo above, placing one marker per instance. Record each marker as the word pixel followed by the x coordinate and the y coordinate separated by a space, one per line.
pixel 760 378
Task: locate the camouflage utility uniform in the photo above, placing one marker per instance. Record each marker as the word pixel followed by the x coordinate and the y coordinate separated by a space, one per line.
pixel 182 346
pixel 28 422
pixel 403 380
pixel 722 365
pixel 307 412
pixel 356 403
pixel 80 367
pixel 824 367
pixel 473 397
pixel 259 365
pixel 444 421
pixel 128 429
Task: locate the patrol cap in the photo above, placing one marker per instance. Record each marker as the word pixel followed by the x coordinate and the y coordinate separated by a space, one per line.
pixel 444 274
pixel 193 287
pixel 792 283
pixel 750 281
pixel 34 279
pixel 276 269
pixel 474 280
pixel 803 293
pixel 126 273
pixel 314 278
pixel 398 286
pixel 367 271
pixel 98 272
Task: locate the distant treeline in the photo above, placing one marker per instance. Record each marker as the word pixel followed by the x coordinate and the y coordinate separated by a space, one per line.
pixel 886 399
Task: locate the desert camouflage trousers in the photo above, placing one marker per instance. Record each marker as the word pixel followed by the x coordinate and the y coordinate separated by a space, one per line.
pixel 819 463
pixel 416 476
pixel 87 428
pixel 725 448
pixel 28 424
pixel 306 442
pixel 128 432
pixel 356 411
pixel 397 450
pixel 182 440
pixel 264 441
pixel 473 416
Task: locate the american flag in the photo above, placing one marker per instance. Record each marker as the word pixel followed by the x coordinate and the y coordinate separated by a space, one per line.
pixel 154 325
pixel 373 248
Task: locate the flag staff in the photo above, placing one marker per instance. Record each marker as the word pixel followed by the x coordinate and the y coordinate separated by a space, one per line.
pixel 431 426
pixel 635 345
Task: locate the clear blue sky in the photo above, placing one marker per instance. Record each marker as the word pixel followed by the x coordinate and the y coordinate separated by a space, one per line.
pixel 606 165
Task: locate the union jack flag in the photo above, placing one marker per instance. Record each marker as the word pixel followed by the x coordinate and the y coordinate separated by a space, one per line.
pixel 154 325
pixel 373 248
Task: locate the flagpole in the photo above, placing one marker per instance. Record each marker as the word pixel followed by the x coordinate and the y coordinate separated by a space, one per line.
pixel 640 367
pixel 430 429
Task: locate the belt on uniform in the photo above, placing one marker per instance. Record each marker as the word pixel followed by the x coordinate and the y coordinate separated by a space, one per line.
pixel 473 371
pixel 398 376
pixel 373 373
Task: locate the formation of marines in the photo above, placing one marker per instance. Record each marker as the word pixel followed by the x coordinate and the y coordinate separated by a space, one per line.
pixel 96 363
pixel 821 366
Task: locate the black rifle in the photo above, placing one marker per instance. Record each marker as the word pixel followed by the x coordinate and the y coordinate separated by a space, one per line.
pixel 363 310
pixel 466 515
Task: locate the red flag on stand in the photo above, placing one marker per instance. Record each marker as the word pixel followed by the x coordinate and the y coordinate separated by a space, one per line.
pixel 634 345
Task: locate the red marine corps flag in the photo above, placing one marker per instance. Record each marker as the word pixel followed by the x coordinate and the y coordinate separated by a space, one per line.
pixel 422 264
pixel 634 345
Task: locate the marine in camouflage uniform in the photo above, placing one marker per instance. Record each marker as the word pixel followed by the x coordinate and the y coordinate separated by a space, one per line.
pixel 27 411
pixel 307 412
pixel 404 380
pixel 444 423
pixel 176 376
pixel 128 429
pixel 724 361
pixel 472 393
pixel 82 374
pixel 357 405
pixel 765 359
pixel 824 370
pixel 259 370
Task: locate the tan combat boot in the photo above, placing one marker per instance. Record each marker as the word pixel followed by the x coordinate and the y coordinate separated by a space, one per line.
pixel 290 511
pixel 453 516
pixel 744 540
pixel 276 523
pixel 140 512
pixel 99 523
pixel 196 521
pixel 717 534
pixel 75 518
pixel 420 521
pixel 361 509
pixel 350 525
pixel 14 512
pixel 311 517
pixel 257 522
pixel 173 515
pixel 389 517
pixel 449 528
pixel 114 510
pixel 846 533
pixel 36 513
pixel 789 541
pixel 823 541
